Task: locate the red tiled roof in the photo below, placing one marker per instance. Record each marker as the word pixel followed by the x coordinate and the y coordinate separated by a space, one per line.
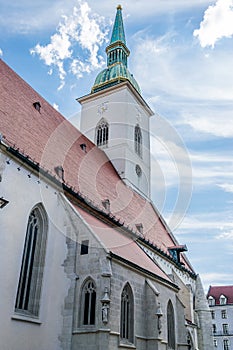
pixel 217 291
pixel 121 244
pixel 51 141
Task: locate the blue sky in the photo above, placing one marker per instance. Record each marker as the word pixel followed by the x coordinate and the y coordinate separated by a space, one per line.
pixel 181 56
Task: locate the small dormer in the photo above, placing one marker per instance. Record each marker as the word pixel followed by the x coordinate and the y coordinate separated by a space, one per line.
pixel 222 300
pixel 106 204
pixel 211 301
pixel 37 105
pixel 139 227
pixel 176 250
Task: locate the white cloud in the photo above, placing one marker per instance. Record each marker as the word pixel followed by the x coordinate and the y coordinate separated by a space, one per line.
pixel 55 106
pixel 216 279
pixel 1 52
pixel 227 187
pixel 220 125
pixel 80 32
pixel 177 72
pixel 226 235
pixel 217 23
pixel 27 16
pixel 212 223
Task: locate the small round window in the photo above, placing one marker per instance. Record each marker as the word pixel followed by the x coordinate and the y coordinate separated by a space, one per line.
pixel 138 170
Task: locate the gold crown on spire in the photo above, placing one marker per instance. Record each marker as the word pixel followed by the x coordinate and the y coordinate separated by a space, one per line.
pixel 119 7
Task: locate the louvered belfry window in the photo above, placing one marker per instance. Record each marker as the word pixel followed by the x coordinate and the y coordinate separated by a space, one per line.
pixel 102 133
pixel 138 140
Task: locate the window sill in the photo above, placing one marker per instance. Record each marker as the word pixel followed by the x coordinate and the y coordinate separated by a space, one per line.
pixel 126 345
pixel 25 318
pixel 84 330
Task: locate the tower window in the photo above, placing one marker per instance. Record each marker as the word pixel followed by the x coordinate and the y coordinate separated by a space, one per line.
pixel 31 274
pixel 138 170
pixel 138 140
pixel 102 133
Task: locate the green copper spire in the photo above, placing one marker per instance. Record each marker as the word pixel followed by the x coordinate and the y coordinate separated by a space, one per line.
pixel 118 33
pixel 117 55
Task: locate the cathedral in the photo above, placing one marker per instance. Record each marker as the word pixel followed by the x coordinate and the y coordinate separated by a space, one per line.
pixel 87 261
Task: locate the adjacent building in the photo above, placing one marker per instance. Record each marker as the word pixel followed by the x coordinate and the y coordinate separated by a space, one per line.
pixel 220 299
pixel 87 261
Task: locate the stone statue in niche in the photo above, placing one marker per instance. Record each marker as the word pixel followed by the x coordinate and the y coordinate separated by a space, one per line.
pixel 105 309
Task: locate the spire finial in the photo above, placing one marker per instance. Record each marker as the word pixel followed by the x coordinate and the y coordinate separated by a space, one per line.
pixel 118 33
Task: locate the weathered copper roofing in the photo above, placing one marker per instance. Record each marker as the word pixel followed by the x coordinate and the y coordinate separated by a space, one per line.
pixel 117 54
pixel 118 33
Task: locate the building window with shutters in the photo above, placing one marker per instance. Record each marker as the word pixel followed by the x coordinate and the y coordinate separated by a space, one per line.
pixel 224 313
pixel 170 327
pixel 127 317
pixel 138 140
pixel 33 261
pixel 226 345
pixel 225 328
pixel 88 303
pixel 102 133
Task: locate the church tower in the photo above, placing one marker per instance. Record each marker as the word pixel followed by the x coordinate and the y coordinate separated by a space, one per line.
pixel 116 117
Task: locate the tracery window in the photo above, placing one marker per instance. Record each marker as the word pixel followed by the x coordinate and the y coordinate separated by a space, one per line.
pixel 138 140
pixel 33 261
pixel 88 303
pixel 102 133
pixel 127 317
pixel 170 326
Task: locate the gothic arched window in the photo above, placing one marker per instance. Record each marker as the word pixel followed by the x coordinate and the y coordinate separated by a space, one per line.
pixel 170 326
pixel 88 303
pixel 127 317
pixel 33 261
pixel 138 140
pixel 102 133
